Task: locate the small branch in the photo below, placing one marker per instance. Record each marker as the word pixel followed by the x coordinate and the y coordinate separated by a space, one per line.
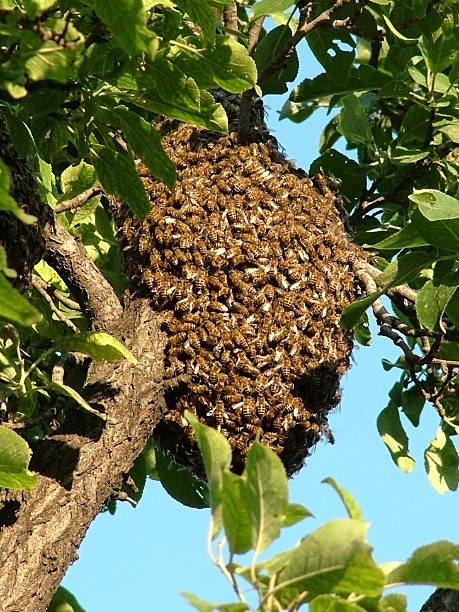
pixel 94 293
pixel 42 287
pixel 66 301
pixel 78 200
pixel 254 34
pixel 230 19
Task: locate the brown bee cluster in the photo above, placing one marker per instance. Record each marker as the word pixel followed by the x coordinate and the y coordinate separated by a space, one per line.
pixel 250 262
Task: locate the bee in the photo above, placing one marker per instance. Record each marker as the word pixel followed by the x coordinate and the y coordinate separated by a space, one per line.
pixel 219 412
pixel 213 374
pixel 148 278
pixel 248 407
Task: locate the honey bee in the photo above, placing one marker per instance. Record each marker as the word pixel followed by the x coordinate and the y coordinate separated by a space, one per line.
pixel 148 278
pixel 219 412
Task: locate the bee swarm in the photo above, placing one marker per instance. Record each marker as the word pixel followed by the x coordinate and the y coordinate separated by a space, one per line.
pixel 250 263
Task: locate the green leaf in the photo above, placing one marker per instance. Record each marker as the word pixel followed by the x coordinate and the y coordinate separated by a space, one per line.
pixel 236 517
pixel 442 464
pixel 180 483
pixel 405 269
pixel 70 392
pixel 361 79
pixel 37 7
pixel 394 602
pixel 394 437
pixel 50 61
pixel 412 404
pixel 443 234
pixel 118 176
pixel 198 603
pixel 434 564
pixel 408 236
pixel 431 302
pixel 334 558
pixel 126 19
pixel 146 143
pixel 216 455
pixel 269 7
pixel 349 501
pixel 435 205
pixel 295 513
pixel 362 332
pixel 14 461
pixel 76 179
pixel 328 45
pixel 227 64
pixel 202 15
pixel 14 307
pixel 100 346
pixel 267 495
pixel 64 601
pixel 352 313
pixel 353 122
pixel 332 603
pixel 266 50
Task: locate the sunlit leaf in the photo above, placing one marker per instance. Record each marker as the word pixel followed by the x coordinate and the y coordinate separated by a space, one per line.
pixel 100 346
pixel 435 205
pixel 14 461
pixel 434 564
pixel 442 463
pixel 334 558
pixel 394 437
pixel 333 603
pixel 267 494
pixel 267 7
pixel 70 392
pixel 126 19
pixel 431 302
pixel 14 306
pixel 236 517
pixel 295 513
pixel 349 501
pixel 216 455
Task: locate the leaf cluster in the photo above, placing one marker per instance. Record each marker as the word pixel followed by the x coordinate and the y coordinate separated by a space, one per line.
pixel 332 568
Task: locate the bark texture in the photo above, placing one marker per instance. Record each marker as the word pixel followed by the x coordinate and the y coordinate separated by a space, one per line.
pixel 80 467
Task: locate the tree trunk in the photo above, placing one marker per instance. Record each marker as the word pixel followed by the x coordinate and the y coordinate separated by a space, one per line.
pixel 80 467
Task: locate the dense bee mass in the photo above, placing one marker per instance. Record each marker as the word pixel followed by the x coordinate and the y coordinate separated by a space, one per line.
pixel 251 265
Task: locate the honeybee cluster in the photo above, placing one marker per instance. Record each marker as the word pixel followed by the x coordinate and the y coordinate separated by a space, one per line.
pixel 251 265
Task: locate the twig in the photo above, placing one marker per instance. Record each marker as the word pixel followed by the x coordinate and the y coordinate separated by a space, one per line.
pixel 66 301
pixel 78 200
pixel 230 19
pixel 42 288
pixel 254 34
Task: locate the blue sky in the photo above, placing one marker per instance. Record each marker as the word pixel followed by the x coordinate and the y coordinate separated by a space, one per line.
pixel 140 559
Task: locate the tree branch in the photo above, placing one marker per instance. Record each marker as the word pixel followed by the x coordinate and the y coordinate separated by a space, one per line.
pixel 94 293
pixel 78 200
